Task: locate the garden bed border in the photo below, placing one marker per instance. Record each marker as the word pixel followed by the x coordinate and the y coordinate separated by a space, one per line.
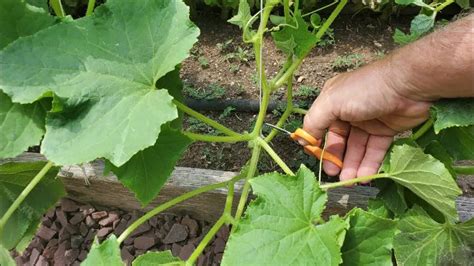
pixel 106 190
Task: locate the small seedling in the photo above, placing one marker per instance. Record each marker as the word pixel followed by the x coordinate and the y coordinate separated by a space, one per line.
pixel 293 124
pixel 227 112
pixel 379 54
pixel 234 68
pixel 240 55
pixel 198 126
pixel 203 62
pixel 212 92
pixel 224 47
pixel 254 78
pixel 307 92
pixel 346 62
pixel 328 39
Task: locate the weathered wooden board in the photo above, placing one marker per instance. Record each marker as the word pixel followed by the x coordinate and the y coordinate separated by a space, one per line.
pixel 106 190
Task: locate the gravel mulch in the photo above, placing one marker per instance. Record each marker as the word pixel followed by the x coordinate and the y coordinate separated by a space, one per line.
pixel 68 230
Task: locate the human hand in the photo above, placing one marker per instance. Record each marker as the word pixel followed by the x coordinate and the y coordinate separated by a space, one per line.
pixel 363 110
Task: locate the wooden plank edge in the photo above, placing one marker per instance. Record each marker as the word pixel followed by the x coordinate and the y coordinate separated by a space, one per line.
pixel 106 190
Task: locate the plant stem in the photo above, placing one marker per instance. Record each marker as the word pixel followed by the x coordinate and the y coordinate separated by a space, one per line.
pixel 167 205
pixel 90 7
pixel 211 138
pixel 286 10
pixel 286 114
pixel 464 169
pixel 229 200
pixel 24 194
pixel 300 111
pixel 205 119
pixel 352 181
pixel 289 73
pixel 286 65
pixel 205 241
pixel 275 156
pixel 423 129
pixel 330 20
pixel 443 5
pixel 319 9
pixel 261 70
pixel 245 190
pixel 226 217
pixel 57 8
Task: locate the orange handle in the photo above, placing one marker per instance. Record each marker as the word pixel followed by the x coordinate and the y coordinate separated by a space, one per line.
pixel 303 135
pixel 316 152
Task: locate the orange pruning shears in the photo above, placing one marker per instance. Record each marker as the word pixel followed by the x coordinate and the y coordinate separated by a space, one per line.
pixel 312 147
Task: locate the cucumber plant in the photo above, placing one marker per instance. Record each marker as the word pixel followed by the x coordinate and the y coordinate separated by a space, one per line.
pixel 425 20
pixel 107 86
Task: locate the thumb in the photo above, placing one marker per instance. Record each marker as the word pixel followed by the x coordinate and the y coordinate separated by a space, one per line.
pixel 319 118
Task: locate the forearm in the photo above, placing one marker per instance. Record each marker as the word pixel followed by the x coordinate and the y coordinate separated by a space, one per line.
pixel 440 65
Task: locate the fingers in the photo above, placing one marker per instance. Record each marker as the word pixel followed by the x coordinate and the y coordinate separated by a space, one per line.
pixel 375 151
pixel 336 144
pixel 318 118
pixel 356 144
pixel 375 127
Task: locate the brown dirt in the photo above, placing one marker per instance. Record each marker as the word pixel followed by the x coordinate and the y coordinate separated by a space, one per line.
pixel 362 35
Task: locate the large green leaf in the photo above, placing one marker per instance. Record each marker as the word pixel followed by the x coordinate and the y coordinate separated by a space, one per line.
pixel 282 226
pixel 5 258
pixel 422 24
pixel 28 236
pixel 401 38
pixel 296 39
pixel 393 195
pixel 21 126
pixel 453 113
pixel 437 150
pixel 103 68
pixel 19 20
pixel 423 241
pixel 157 258
pixel 148 170
pixel 425 176
pixel 458 141
pixel 14 177
pixel 243 15
pixel 465 4
pixel 106 253
pixel 173 84
pixel 39 3
pixel 368 240
pixel 379 208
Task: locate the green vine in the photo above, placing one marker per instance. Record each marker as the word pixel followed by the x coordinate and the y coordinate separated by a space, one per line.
pixel 26 191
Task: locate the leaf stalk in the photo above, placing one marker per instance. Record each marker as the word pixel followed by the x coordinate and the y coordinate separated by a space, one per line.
pixel 205 119
pixel 423 129
pixel 168 205
pixel 26 191
pixel 352 181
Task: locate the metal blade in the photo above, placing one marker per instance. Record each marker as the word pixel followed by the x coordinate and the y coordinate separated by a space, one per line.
pixel 278 128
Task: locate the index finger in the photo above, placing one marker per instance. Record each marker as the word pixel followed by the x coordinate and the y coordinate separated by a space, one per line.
pixel 318 118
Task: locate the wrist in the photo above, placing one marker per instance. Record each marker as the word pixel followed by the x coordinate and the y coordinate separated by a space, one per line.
pixel 402 79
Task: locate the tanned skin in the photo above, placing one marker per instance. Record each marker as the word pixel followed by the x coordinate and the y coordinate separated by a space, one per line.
pixel 363 110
